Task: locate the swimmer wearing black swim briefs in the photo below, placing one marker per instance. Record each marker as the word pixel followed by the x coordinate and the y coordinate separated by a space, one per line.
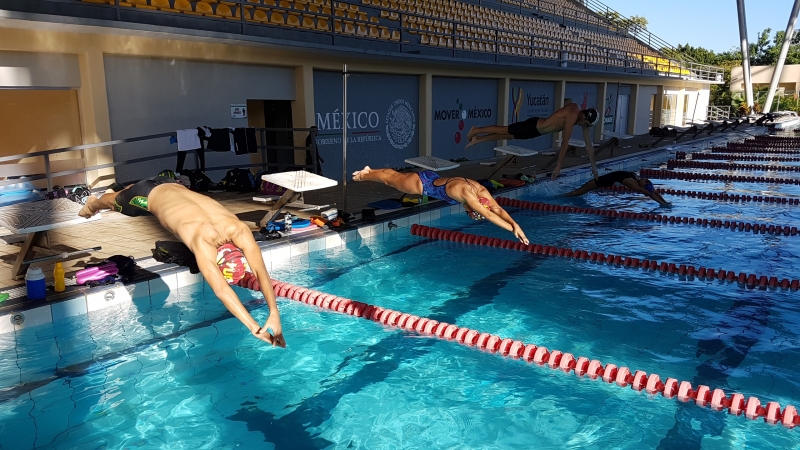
pixel 527 129
pixel 133 200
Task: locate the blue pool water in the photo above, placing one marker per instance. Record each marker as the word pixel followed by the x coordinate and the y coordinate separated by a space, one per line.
pixel 176 371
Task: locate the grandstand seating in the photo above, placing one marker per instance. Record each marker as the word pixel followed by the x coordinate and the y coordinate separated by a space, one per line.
pixel 448 24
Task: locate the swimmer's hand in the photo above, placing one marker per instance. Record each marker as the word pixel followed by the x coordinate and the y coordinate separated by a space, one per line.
pixel 520 235
pixel 274 324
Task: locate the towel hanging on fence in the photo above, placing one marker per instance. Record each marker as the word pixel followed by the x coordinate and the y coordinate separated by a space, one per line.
pixel 188 139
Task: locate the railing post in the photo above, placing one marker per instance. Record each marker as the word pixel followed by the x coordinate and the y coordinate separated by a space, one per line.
pixel 47 172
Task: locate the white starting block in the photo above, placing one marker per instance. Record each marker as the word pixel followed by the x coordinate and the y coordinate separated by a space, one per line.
pixel 614 134
pixel 35 220
pixel 295 184
pixel 574 142
pixel 432 163
pixel 511 152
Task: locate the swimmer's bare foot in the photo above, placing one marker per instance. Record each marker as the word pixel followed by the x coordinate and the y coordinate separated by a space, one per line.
pixel 87 211
pixel 358 175
pixel 471 134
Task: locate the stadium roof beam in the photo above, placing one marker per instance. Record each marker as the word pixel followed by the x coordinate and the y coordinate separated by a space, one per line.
pixel 748 84
pixel 787 41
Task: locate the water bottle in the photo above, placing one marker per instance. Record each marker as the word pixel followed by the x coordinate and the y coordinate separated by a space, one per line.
pixel 58 278
pixel 34 283
pixel 287 223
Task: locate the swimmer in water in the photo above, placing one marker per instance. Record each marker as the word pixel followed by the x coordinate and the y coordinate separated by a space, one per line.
pixel 477 201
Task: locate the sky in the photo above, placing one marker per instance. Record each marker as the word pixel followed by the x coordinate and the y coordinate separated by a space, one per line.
pixel 712 24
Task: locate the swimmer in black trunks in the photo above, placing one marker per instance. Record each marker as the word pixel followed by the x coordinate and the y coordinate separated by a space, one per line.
pixel 563 119
pixel 223 245
pixel 477 201
pixel 628 179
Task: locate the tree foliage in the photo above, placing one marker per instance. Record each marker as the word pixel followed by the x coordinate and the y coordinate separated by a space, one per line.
pixel 764 51
pixel 632 23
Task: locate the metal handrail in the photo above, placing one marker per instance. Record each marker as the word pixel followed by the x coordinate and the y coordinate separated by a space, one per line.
pixel 49 175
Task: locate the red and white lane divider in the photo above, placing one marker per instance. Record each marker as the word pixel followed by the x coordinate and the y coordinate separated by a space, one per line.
pixel 691 176
pixel 756 149
pixel 713 223
pixel 677 164
pixel 622 376
pixel 734 157
pixel 617 261
pixel 723 196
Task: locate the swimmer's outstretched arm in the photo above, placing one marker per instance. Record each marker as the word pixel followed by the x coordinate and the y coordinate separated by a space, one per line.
pixel 206 257
pixel 498 216
pixel 655 196
pixel 244 240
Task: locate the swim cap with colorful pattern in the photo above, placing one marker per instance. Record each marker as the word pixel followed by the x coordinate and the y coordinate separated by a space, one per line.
pixel 232 263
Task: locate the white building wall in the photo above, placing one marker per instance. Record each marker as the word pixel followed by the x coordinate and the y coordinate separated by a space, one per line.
pixel 643 113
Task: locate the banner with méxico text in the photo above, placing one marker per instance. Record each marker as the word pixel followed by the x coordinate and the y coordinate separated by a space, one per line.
pixel 458 105
pixel 382 120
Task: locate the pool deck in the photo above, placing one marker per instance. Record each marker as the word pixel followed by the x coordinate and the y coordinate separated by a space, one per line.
pixel 135 236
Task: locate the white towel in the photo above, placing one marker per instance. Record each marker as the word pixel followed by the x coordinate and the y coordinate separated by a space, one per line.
pixel 188 140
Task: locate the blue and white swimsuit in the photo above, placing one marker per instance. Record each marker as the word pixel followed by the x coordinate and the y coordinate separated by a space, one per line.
pixel 427 177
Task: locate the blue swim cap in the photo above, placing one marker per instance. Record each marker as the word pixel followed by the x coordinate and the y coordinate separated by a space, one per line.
pixel 649 186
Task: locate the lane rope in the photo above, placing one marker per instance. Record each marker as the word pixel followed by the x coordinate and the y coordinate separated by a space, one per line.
pixel 677 164
pixel 612 374
pixel 735 157
pixel 686 272
pixel 732 225
pixel 692 176
pixel 719 196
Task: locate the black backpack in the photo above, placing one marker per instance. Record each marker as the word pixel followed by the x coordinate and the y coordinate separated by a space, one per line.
pixel 175 253
pixel 198 180
pixel 239 180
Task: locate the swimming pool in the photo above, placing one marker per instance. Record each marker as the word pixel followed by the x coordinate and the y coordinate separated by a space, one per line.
pixel 174 370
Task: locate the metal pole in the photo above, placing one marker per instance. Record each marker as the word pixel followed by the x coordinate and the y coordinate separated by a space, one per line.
pixel 344 138
pixel 748 85
pixel 787 41
pixel 695 106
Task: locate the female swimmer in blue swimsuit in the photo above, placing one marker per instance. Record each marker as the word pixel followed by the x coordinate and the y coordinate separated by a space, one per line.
pixel 477 201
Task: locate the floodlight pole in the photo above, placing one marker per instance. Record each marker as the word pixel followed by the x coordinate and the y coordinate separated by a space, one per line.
pixel 748 84
pixel 344 138
pixel 787 41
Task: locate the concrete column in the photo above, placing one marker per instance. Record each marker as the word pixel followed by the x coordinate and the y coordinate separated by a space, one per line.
pixel 633 102
pixel 95 118
pixel 426 115
pixel 302 108
pixel 657 105
pixel 503 100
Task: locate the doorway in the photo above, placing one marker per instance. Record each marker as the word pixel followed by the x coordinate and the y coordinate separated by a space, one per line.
pixel 278 114
pixel 621 121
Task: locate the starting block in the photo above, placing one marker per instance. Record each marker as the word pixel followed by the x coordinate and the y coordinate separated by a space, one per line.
pixel 432 163
pixel 295 183
pixel 511 152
